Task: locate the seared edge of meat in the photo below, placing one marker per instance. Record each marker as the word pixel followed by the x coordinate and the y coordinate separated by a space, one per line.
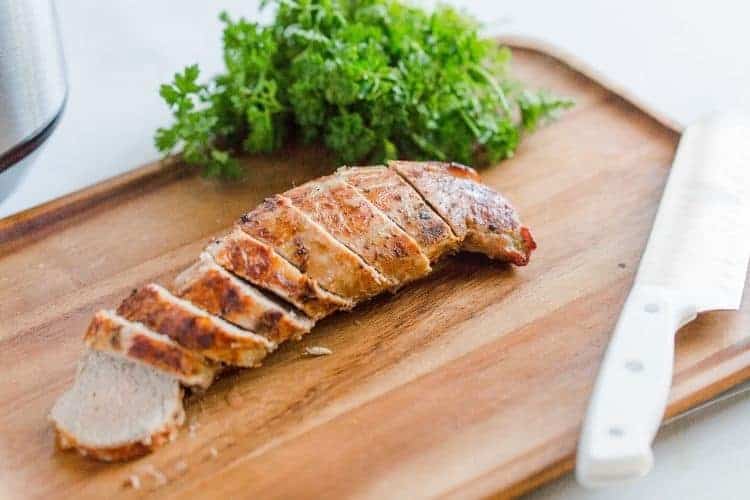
pixel 194 328
pixel 362 227
pixel 214 289
pixel 111 333
pixel 258 263
pixel 485 221
pixel 396 198
pixel 312 249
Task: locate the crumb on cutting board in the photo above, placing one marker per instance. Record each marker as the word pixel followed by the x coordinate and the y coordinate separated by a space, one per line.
pixel 155 473
pixel 317 351
pixel 133 481
pixel 192 428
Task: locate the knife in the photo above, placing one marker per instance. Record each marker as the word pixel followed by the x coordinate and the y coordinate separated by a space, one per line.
pixel 695 260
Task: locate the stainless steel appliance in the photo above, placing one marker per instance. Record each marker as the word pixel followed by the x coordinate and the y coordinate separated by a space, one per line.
pixel 33 89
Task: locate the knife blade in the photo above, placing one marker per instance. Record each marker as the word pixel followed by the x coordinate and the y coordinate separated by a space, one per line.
pixel 695 260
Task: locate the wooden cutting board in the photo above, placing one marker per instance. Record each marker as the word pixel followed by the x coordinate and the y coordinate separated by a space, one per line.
pixel 471 382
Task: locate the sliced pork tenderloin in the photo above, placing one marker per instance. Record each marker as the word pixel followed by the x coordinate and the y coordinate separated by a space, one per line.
pixel 354 221
pixel 123 405
pixel 212 288
pixel 480 216
pixel 397 199
pixel 113 334
pixel 258 263
pixel 194 328
pixel 312 249
pixel 117 409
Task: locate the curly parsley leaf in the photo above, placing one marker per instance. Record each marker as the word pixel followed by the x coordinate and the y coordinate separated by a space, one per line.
pixel 537 107
pixel 370 79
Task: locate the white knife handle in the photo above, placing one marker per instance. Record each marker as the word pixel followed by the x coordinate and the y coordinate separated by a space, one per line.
pixel 632 388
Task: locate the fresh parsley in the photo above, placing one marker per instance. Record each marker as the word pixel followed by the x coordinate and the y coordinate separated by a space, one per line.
pixel 370 79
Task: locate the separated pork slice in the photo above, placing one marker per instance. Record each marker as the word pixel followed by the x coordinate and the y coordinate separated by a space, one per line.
pixel 194 328
pixel 258 263
pixel 211 287
pixel 350 218
pixel 480 216
pixel 117 409
pixel 396 198
pixel 311 249
pixel 116 335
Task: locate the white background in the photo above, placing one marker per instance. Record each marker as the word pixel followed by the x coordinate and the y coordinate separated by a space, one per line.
pixel 683 58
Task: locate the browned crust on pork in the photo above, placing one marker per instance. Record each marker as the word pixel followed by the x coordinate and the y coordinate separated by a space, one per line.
pixel 105 333
pixel 199 333
pixel 127 451
pixel 480 216
pixel 218 292
pixel 312 250
pixel 358 224
pixel 396 198
pixel 167 358
pixel 258 263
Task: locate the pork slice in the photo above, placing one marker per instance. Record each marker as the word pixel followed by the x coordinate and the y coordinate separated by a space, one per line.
pixel 311 249
pixel 117 409
pixel 258 263
pixel 113 334
pixel 212 288
pixel 194 328
pixel 396 198
pixel 480 216
pixel 362 227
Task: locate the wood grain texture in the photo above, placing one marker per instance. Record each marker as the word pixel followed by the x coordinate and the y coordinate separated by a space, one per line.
pixel 469 383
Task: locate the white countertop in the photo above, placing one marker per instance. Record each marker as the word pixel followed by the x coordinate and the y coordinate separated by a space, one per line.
pixel 682 57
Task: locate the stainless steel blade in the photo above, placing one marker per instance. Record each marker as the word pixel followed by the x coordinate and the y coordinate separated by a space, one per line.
pixel 700 242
